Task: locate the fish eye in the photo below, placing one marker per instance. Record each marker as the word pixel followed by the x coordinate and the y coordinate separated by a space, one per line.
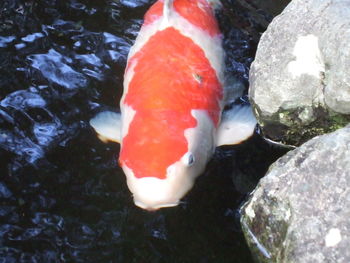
pixel 188 159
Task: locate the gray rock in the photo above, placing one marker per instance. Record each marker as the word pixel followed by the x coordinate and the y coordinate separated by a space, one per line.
pixel 300 210
pixel 300 81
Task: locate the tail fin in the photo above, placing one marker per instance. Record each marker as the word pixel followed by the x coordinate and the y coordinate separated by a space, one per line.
pixel 167 9
pixel 237 125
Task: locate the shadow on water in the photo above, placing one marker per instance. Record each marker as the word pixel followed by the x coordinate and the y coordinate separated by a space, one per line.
pixel 63 197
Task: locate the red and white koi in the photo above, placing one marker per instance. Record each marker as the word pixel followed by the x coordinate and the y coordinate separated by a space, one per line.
pixel 171 111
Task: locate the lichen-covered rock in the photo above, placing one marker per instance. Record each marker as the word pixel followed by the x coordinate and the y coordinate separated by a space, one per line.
pixel 300 210
pixel 300 79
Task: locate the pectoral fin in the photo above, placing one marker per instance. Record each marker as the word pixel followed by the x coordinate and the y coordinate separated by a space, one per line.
pixel 237 124
pixel 107 124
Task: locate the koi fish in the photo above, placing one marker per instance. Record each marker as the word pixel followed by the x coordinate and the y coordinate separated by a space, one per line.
pixel 172 115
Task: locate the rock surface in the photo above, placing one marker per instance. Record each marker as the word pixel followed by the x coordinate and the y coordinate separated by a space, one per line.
pixel 300 81
pixel 300 210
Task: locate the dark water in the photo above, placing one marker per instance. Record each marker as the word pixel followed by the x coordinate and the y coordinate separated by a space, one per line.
pixel 63 197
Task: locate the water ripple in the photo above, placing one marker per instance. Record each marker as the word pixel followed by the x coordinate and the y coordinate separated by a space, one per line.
pixel 23 99
pixel 55 68
pixel 45 133
pixel 32 37
pixel 4 191
pixel 6 40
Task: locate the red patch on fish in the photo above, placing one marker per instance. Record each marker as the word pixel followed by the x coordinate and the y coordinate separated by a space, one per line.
pixel 199 13
pixel 172 77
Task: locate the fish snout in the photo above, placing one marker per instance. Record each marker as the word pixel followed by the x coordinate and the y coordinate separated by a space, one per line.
pixel 153 205
pixel 152 193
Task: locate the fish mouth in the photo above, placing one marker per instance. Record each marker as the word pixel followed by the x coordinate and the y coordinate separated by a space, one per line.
pixel 151 193
pixel 154 207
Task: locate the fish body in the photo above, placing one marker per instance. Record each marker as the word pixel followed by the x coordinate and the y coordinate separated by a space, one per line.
pixel 171 108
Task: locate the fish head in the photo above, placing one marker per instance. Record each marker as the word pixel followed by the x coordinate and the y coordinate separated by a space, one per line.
pixel 162 157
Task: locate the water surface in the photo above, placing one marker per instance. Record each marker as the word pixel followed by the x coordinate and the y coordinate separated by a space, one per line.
pixel 63 197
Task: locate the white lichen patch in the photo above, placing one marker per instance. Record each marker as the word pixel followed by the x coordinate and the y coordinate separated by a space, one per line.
pixel 333 237
pixel 308 59
pixel 307 115
pixel 249 210
pixel 288 214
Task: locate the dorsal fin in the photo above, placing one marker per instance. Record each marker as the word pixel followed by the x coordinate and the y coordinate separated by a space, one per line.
pixel 167 9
